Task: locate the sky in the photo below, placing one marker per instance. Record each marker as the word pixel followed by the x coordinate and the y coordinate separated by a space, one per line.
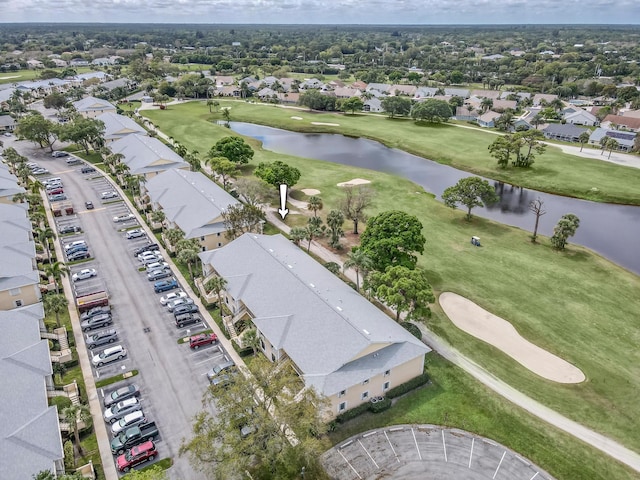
pixel 323 11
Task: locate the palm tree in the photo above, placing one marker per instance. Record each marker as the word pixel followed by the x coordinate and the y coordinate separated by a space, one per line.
pixel 37 218
pixel 315 204
pixel 23 173
pixel 158 216
pixel 44 235
pixel 174 235
pixel 216 284
pixel 583 138
pixel 360 262
pixel 74 415
pixel 297 234
pixel 188 256
pixel 55 304
pixel 486 104
pixel 251 339
pixel 611 145
pixel 35 187
pixel 210 104
pixel 20 197
pixel 57 270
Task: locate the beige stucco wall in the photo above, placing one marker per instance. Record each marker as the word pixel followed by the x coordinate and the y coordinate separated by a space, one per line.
pixel 213 241
pixel 95 113
pixel 28 294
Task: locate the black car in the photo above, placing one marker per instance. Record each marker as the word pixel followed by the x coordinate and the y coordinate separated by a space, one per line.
pixel 187 319
pixel 185 308
pixel 76 249
pixel 87 169
pixel 121 394
pixel 95 311
pixel 69 229
pixel 101 338
pixel 149 247
pixel 81 255
pixel 98 321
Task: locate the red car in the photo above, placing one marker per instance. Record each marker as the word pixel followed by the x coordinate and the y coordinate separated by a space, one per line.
pixel 55 190
pixel 145 452
pixel 197 341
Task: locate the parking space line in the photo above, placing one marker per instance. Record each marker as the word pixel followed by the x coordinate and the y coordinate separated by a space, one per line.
pixel 503 454
pixel 471 454
pixel 392 449
pixel 534 475
pixel 368 454
pixel 444 446
pixel 205 361
pixel 348 463
pixel 416 442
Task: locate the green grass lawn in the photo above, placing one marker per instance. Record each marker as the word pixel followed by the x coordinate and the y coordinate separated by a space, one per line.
pixel 576 304
pixel 23 75
pixel 456 400
pixel 462 148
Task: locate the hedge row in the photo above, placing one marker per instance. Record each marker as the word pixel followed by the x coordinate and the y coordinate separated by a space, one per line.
pixel 408 386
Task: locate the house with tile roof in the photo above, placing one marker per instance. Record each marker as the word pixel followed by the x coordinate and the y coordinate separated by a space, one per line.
pixel 118 126
pixel 620 122
pixel 193 203
pixel 91 107
pixel 147 156
pixel 338 342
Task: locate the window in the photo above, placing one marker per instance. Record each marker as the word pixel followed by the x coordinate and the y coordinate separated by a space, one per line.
pixel 218 234
pixel 202 239
pixel 365 382
pixel 364 395
pixel 219 244
pixel 385 387
pixel 342 393
pixel 18 303
pixel 262 344
pixel 387 373
pixel 273 357
pixel 342 407
pixel 14 291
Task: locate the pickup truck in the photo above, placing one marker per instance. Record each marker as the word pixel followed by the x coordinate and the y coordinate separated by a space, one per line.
pixel 133 436
pixel 187 319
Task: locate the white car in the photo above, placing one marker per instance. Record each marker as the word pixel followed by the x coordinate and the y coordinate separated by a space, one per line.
pixel 120 409
pixel 135 233
pixel 172 296
pixel 156 266
pixel 77 243
pixel 84 274
pixel 109 355
pixel 124 218
pixel 108 195
pixel 178 301
pixel 130 420
pixel 153 258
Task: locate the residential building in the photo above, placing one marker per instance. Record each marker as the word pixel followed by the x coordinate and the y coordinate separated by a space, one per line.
pixel 8 185
pixel 91 107
pixel 336 340
pixel 464 113
pixel 7 123
pixel 30 439
pixel 373 105
pixel 457 92
pixel 380 88
pixel 119 126
pixel 626 122
pixel 564 132
pixel 146 156
pixel 626 140
pixel 578 116
pixel 403 90
pixel 488 119
pixel 540 98
pixel 193 203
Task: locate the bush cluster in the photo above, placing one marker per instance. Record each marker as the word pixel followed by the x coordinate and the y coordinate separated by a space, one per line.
pixel 408 386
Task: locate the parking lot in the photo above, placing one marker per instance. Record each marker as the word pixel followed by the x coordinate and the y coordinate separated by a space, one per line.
pixel 172 377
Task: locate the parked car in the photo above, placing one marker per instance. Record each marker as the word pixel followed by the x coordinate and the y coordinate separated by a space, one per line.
pixel 108 195
pixel 75 243
pixel 40 171
pixel 59 153
pixel 165 285
pixel 69 229
pixel 121 394
pixel 79 255
pixel 58 197
pixel 158 274
pixel 84 274
pixel 220 380
pixel 109 355
pixel 172 296
pixel 95 311
pixel 187 319
pixel 101 338
pixel 120 409
pixel 178 301
pixel 134 436
pixel 54 190
pixel 185 308
pixel 197 341
pixel 73 160
pixel 52 181
pixel 156 266
pixel 89 205
pixel 142 453
pixel 87 170
pixel 128 421
pixel 124 217
pixel 77 249
pixel 135 233
pixel 149 247
pixel 97 321
pixel 220 368
pixel 149 259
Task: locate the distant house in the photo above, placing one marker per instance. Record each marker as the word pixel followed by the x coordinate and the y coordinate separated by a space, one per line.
pixel 493 94
pixel 8 185
pixel 311 83
pixel 125 83
pixel 221 80
pixel 502 105
pixel 373 105
pixel 147 156
pixel 622 122
pixel 463 113
pixel 580 117
pixel 406 90
pixel 35 64
pixel 626 140
pixel 493 58
pixel 78 62
pixel 7 123
pixel 383 88
pixel 346 92
pixel 425 92
pixel 118 126
pixel 488 119
pixel 547 97
pixel 91 107
pixel 565 133
pixel 457 92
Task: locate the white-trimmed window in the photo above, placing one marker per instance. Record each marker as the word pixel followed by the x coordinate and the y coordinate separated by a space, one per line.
pixel 18 303
pixel 365 382
pixel 219 244
pixel 342 407
pixel 342 393
pixel 385 387
pixel 364 395
pixel 387 373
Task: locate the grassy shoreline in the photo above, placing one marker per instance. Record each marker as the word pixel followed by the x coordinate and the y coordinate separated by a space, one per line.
pixel 575 304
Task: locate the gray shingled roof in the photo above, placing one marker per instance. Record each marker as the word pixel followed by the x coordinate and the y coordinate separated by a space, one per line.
pixel 17 251
pixel 117 126
pixel 92 103
pixel 29 432
pixel 301 307
pixel 146 155
pixel 190 200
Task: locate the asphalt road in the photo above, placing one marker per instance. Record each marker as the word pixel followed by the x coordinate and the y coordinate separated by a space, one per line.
pixel 171 376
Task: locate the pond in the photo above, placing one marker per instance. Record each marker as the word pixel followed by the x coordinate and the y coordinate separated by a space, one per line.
pixel 611 230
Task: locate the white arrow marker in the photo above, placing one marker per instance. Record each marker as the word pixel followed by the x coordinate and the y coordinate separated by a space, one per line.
pixel 283 210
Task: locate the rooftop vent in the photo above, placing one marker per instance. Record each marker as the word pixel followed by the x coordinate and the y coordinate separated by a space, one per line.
pixel 312 285
pixel 339 309
pixel 290 266
pixel 366 331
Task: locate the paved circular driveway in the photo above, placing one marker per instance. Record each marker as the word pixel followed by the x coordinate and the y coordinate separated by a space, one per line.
pixel 426 452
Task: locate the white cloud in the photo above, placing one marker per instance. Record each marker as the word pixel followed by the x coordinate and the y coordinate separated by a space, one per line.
pixel 321 11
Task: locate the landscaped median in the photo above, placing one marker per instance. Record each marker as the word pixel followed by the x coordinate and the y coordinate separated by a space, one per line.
pixel 574 304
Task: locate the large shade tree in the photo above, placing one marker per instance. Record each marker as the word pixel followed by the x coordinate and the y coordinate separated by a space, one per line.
pixel 470 192
pixel 404 290
pixel 232 148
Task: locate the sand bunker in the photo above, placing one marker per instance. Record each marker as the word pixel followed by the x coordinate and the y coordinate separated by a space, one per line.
pixel 310 191
pixel 329 124
pixel 355 181
pixel 296 118
pixel 486 326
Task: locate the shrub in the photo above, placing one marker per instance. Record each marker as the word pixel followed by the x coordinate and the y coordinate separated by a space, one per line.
pixel 60 402
pixel 353 413
pixel 412 329
pixel 381 405
pixel 69 459
pixel 408 386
